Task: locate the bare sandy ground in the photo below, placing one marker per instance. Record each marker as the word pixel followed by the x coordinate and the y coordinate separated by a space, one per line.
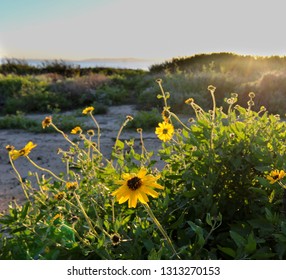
pixel 45 154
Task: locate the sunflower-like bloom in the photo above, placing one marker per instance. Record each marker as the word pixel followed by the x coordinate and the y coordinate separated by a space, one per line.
pixel 71 186
pixel 60 196
pixel 87 110
pixel 165 115
pixel 76 130
pixel 136 187
pixel 275 175
pixel 165 131
pixel 14 154
pixel 46 122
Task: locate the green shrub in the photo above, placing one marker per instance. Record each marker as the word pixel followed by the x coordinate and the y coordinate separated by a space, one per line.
pixel 18 121
pixel 145 120
pixel 217 201
pixel 21 121
pixel 26 94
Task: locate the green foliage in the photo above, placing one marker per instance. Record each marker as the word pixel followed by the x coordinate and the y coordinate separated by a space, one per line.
pixel 217 202
pixel 146 120
pixel 189 76
pixel 26 94
pixel 46 92
pixel 21 121
pixel 18 121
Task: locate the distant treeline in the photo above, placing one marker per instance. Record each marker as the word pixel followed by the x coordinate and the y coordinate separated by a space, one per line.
pixel 222 62
pixel 60 67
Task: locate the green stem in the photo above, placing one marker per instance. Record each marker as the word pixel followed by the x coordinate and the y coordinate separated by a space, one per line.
pixel 98 130
pixel 45 170
pixel 85 215
pixel 178 119
pixel 20 178
pixel 63 134
pixel 163 93
pixel 152 216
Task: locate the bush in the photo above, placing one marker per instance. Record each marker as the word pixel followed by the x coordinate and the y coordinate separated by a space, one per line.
pixel 26 94
pixel 145 120
pixel 220 200
pixel 18 121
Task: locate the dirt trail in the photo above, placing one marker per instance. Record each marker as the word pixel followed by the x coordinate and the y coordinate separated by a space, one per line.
pixel 45 154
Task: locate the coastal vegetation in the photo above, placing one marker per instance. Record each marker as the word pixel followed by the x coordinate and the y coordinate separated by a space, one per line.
pixel 62 86
pixel 221 193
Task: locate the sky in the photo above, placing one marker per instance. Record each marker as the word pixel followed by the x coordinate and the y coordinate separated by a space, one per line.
pixel 146 29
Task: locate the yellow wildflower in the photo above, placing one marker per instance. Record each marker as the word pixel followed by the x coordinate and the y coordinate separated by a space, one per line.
pixel 46 122
pixel 165 131
pixel 165 115
pixel 59 196
pixel 88 110
pixel 14 154
pixel 275 175
pixel 76 130
pixel 136 187
pixel 71 185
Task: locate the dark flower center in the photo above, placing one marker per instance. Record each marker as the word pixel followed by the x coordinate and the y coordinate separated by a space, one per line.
pixel 275 177
pixel 115 239
pixel 165 131
pixel 134 183
pixel 22 152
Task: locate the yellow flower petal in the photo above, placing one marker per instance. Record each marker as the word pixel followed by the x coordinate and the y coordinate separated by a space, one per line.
pixel 275 175
pixel 88 110
pixel 142 172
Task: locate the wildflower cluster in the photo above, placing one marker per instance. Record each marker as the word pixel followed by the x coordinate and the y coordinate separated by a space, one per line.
pixel 219 194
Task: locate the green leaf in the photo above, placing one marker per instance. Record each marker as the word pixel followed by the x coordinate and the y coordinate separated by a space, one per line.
pixel 154 255
pixel 227 251
pixel 25 210
pixel 179 222
pixel 238 239
pixel 22 228
pixel 67 235
pixel 149 245
pixel 6 220
pixel 120 144
pixel 250 247
pixel 271 197
pixel 185 133
pixel 209 219
pixel 199 232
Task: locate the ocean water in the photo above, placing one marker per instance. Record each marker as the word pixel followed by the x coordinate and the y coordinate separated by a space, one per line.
pixel 110 63
pixel 144 65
